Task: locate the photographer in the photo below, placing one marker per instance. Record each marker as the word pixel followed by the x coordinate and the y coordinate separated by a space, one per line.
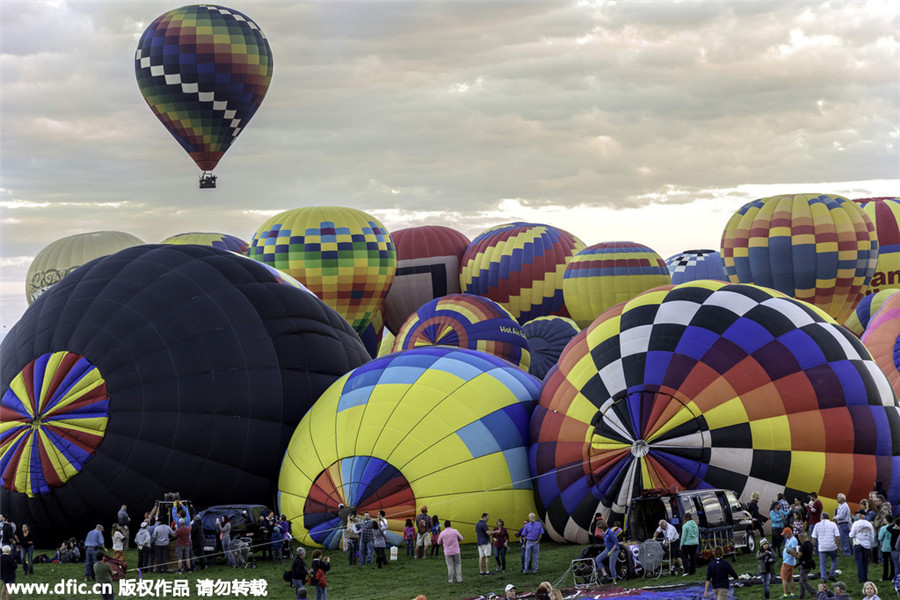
pixel 839 593
pixel 320 565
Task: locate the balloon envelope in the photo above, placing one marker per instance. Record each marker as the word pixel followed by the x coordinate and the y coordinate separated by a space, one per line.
pixel 215 240
pixel 885 214
pixel 157 369
pixel 694 265
pixel 344 256
pixel 817 248
pixel 63 256
pixel 520 265
pixel 204 70
pixel 427 268
pixel 867 308
pixel 710 385
pixel 436 426
pixel 547 338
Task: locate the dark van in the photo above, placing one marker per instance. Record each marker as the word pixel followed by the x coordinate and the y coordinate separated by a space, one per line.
pixel 722 519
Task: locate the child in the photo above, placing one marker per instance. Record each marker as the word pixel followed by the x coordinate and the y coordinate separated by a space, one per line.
pixel 435 532
pixel 409 534
pixel 765 560
pixel 317 574
pixel 796 524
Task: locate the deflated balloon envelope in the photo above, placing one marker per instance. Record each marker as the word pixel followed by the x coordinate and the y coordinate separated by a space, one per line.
pixel 156 369
pixel 710 385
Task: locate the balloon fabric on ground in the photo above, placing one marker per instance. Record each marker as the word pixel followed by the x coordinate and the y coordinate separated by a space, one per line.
pixel 709 384
pixel 427 268
pixel 694 265
pixel 608 273
pixel 813 247
pixel 344 256
pixel 215 240
pixel 204 71
pixel 867 308
pixel 159 368
pixel 436 426
pixel 885 214
pixel 547 338
pixel 466 321
pixel 63 256
pixel 520 265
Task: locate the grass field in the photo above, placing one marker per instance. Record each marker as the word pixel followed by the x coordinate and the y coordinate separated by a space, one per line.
pixel 405 578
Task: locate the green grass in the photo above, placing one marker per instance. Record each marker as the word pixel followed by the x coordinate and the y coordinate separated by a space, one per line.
pixel 406 578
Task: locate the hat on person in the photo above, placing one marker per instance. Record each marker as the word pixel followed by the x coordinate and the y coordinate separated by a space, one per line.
pixel 510 587
pixel 840 584
pixel 787 530
pixel 144 525
pixel 764 542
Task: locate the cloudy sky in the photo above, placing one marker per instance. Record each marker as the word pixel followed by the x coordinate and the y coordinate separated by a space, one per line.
pixel 643 121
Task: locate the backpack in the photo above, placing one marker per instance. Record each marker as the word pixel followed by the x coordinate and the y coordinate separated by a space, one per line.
pixel 420 526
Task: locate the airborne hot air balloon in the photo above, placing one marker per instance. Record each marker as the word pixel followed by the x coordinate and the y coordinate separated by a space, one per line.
pixel 694 265
pixel 885 214
pixel 343 255
pixel 608 273
pixel 159 368
pixel 817 248
pixel 216 240
pixel 63 256
pixel 710 385
pixel 466 321
pixel 520 265
pixel 427 268
pixel 442 427
pixel 204 70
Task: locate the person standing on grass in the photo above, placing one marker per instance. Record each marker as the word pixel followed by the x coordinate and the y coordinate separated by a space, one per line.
pixel 806 563
pixel 409 536
pixel 320 565
pixel 863 535
pixel 450 538
pixel 690 542
pixel 717 574
pixel 8 568
pixel 814 510
pixel 843 518
pixel 533 532
pixel 93 543
pixel 500 540
pixel 826 537
pixel 765 559
pixel 124 522
pixel 423 533
pixel 299 573
pixel 885 546
pixel 789 557
pixel 104 576
pixel 483 541
pixel 144 547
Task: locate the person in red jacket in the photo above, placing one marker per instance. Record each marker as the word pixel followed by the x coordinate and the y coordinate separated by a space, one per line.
pixel 814 513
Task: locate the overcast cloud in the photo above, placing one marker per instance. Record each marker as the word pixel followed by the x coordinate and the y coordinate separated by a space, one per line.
pixel 631 120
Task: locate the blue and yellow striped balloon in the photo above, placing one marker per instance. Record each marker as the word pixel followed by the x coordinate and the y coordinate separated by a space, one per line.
pixel 608 273
pixel 885 214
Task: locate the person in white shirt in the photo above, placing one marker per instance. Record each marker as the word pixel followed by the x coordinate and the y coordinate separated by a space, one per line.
pixel 670 536
pixel 863 535
pixel 842 519
pixel 826 537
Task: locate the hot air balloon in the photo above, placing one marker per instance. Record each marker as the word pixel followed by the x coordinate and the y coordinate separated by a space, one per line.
pixel 547 338
pixel 710 385
pixel 608 273
pixel 694 265
pixel 216 240
pixel 817 248
pixel 435 426
pixel 885 214
pixel 343 255
pixel 427 268
pixel 882 339
pixel 867 308
pixel 466 321
pixel 204 70
pixel 520 265
pixel 157 369
pixel 372 335
pixel 63 256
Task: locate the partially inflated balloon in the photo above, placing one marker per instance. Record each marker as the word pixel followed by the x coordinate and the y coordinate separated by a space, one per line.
pixel 204 70
pixel 427 268
pixel 436 426
pixel 608 273
pixel 159 368
pixel 694 265
pixel 867 308
pixel 885 214
pixel 882 338
pixel 63 256
pixel 215 240
pixel 547 337
pixel 710 385
pixel 345 256
pixel 466 321
pixel 520 265
pixel 817 248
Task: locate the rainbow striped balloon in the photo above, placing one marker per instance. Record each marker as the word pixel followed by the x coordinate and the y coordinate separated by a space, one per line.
pixel 520 265
pixel 814 247
pixel 608 273
pixel 885 214
pixel 466 321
